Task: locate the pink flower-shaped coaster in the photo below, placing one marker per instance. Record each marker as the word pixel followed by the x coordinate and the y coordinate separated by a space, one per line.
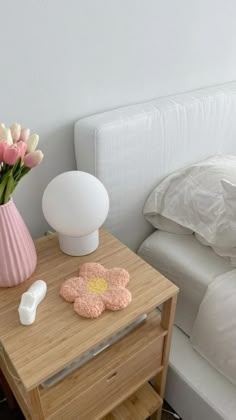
pixel 97 289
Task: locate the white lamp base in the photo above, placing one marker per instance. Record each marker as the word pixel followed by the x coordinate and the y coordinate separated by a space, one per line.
pixel 79 245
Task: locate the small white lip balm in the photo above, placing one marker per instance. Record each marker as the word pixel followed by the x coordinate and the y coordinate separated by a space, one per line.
pixel 30 301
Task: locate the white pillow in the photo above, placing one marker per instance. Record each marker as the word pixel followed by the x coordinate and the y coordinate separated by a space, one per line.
pixel 202 198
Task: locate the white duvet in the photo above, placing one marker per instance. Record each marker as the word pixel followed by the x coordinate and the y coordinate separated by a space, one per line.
pixel 200 198
pixel 214 331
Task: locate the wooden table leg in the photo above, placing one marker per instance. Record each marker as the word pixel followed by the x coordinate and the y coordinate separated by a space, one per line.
pixel 167 321
pixel 35 403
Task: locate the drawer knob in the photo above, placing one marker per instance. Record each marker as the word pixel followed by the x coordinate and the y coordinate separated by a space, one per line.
pixel 111 376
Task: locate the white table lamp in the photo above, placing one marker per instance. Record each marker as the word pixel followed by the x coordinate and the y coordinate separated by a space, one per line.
pixel 76 204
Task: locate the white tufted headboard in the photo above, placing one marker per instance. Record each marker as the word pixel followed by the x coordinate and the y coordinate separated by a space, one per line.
pixel 130 149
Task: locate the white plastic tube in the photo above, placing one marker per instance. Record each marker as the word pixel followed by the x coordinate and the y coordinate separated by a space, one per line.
pixel 30 301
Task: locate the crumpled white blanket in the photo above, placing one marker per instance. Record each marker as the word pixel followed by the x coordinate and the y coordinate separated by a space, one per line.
pixel 214 331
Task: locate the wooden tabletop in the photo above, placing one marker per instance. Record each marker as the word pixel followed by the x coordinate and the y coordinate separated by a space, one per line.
pixel 59 335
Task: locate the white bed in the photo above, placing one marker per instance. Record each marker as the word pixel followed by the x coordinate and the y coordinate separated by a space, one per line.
pixel 131 149
pixel 183 260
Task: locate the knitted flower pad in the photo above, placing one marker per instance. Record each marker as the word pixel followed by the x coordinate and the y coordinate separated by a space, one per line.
pixel 97 289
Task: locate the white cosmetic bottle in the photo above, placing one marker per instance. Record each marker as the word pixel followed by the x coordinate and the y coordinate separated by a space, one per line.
pixel 30 301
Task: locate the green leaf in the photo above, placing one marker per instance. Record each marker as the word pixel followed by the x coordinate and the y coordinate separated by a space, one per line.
pixel 16 167
pixel 9 187
pixel 24 171
pixel 3 185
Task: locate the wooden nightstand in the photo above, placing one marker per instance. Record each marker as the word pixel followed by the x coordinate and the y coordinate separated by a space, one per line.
pixel 113 384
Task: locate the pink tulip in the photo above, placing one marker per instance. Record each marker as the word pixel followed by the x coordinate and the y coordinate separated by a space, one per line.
pixel 22 147
pixel 33 159
pixel 24 135
pixel 11 154
pixel 15 132
pixel 3 146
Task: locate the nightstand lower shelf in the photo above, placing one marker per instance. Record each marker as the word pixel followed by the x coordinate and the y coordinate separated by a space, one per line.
pixel 139 406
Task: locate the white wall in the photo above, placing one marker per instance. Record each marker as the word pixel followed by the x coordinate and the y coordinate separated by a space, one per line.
pixel 65 59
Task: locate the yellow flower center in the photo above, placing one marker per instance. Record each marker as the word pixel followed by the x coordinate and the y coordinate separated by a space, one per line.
pixel 97 285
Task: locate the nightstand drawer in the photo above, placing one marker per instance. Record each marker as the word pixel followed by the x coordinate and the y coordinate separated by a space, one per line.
pixel 104 382
pixel 120 382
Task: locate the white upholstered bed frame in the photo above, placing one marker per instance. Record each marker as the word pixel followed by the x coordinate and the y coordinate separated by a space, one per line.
pixel 130 149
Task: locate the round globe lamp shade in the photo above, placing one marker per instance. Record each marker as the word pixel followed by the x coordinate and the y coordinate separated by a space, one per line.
pixel 76 204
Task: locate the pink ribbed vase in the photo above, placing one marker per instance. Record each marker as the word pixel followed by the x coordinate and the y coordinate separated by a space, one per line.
pixel 17 251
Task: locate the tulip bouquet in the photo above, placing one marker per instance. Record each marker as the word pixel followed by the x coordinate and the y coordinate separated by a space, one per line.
pixel 18 155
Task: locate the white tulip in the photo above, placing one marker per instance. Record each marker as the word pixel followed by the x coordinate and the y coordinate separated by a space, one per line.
pixel 5 134
pixel 24 135
pixel 15 132
pixel 2 132
pixel 2 125
pixel 32 143
pixel 9 136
